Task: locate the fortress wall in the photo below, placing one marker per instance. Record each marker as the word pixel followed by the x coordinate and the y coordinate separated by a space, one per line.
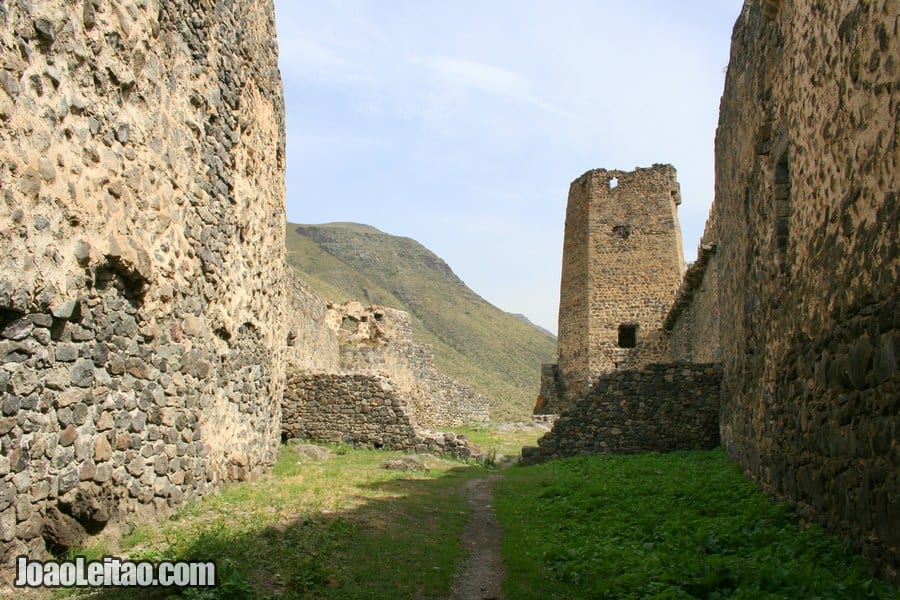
pixel 658 408
pixel 806 221
pixel 141 240
pixel 379 340
pixel 311 344
pixel 346 407
pixel 636 263
pixel 574 301
pixel 452 404
pixel 550 400
pixel 693 323
pixel 361 409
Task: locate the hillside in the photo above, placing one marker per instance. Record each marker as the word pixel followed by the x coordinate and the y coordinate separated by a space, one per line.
pixel 495 352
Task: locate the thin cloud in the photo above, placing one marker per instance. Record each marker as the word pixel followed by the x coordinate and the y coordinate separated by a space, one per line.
pixel 475 75
pixel 305 59
pixel 468 120
pixel 307 53
pixel 463 74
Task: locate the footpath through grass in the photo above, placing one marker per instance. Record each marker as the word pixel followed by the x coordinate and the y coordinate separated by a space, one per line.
pixel 340 528
pixel 679 525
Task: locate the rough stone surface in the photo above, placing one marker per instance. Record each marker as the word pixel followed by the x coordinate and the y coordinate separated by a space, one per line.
pixel 141 176
pixel 361 409
pixel 550 399
pixel 311 342
pixel 659 408
pixel 622 264
pixel 310 451
pixel 795 288
pixel 61 530
pixel 379 340
pixel 806 220
pixel 693 323
pixel 410 462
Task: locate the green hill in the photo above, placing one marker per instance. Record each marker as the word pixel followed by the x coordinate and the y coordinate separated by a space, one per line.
pixel 494 352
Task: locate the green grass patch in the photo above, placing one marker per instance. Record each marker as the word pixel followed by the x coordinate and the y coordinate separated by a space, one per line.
pixel 679 525
pixel 339 528
pixel 508 443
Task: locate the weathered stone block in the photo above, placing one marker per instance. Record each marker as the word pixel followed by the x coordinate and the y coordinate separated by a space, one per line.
pixel 17 329
pixel 68 479
pixel 24 381
pixel 65 352
pixel 82 373
pixel 8 524
pixel 65 311
pixel 62 530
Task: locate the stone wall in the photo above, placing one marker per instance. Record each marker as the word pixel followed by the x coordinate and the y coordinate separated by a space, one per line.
pixel 361 409
pixel 445 402
pixel 550 400
pixel 573 341
pixel 806 221
pixel 692 324
pixel 141 236
pixel 311 342
pixel 622 264
pixel 659 408
pixel 379 340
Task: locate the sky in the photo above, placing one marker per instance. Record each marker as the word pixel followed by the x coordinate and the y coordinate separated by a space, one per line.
pixel 461 123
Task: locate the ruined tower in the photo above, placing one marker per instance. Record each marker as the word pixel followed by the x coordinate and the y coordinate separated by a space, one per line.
pixel 622 264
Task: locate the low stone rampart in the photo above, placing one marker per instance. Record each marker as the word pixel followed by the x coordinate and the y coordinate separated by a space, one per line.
pixel 659 408
pixel 360 409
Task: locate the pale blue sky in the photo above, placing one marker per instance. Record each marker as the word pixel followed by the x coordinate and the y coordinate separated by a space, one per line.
pixel 461 123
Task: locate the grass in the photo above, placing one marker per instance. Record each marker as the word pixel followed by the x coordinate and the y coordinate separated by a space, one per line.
pixel 340 528
pixel 507 443
pixel 474 342
pixel 679 525
pixel 664 526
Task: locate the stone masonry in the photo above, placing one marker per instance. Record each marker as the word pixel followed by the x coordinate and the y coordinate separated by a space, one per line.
pixel 806 223
pixel 361 409
pixel 550 399
pixel 379 340
pixel 141 236
pixel 795 287
pixel 622 263
pixel 692 324
pixel 311 341
pixel 657 408
pixel 368 383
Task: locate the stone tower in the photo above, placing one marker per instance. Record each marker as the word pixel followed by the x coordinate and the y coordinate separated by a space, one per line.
pixel 622 264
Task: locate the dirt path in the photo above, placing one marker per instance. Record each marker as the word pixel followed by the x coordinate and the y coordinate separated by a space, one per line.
pixel 480 575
